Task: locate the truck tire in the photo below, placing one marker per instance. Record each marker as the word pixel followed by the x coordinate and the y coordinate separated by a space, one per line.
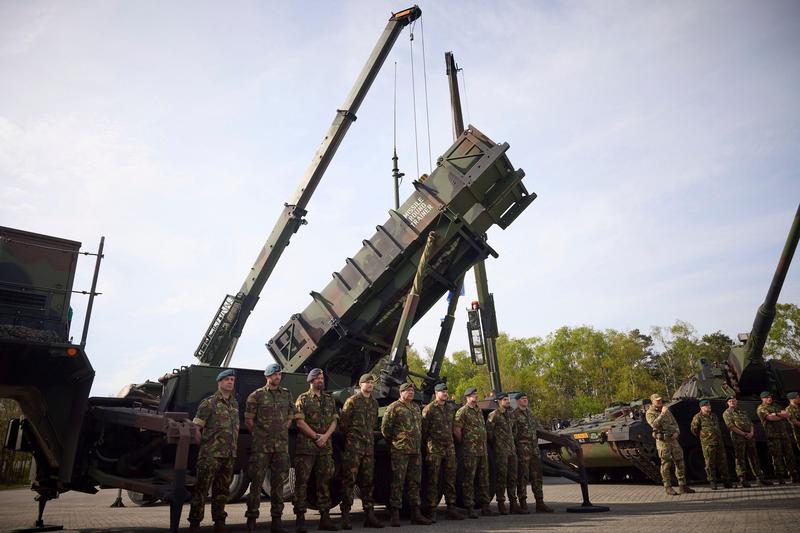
pixel 239 484
pixel 288 486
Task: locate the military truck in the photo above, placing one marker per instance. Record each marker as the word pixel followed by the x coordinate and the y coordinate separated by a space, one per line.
pixel 619 444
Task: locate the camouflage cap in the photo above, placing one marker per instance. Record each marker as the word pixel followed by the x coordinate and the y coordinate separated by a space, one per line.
pixel 440 387
pixel 703 402
pixel 792 395
pixel 225 373
pixel 470 391
pixel 655 397
pixel 766 394
pixel 365 378
pixel 314 374
pixel 272 368
pixel 407 385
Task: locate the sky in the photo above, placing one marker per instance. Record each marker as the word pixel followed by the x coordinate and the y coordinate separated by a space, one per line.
pixel 662 140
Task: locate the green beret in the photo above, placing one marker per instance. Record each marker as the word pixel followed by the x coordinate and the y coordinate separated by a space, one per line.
pixel 365 378
pixel 792 395
pixel 730 398
pixel 440 387
pixel 703 402
pixel 520 395
pixel 272 368
pixel 501 395
pixel 406 385
pixel 766 394
pixel 225 373
pixel 470 391
pixel 314 374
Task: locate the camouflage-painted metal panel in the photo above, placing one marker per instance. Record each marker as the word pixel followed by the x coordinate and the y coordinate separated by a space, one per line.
pixel 473 188
pixel 36 275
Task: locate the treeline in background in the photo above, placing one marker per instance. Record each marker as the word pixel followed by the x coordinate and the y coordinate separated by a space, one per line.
pixel 578 371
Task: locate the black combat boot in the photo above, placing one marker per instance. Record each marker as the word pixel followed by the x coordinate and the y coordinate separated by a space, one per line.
pixel 501 508
pixel 764 482
pixel 219 526
pixel 541 507
pixel 346 519
pixel 727 484
pixel 516 509
pixel 325 522
pixel 370 520
pixel 523 505
pixel 744 483
pixel 781 481
pixel 276 526
pixel 486 510
pixel 713 485
pixel 430 514
pixel 684 489
pixel 394 520
pixel 471 512
pixel 251 523
pixel 670 491
pixel 300 523
pixel 194 526
pixel 452 513
pixel 417 518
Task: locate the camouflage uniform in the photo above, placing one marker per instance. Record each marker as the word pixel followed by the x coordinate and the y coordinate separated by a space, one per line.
pixel 529 457
pixel 358 421
pixel 669 450
pixel 743 448
pixel 401 426
pixel 219 419
pixel 319 411
pixel 706 427
pixel 500 432
pixel 780 448
pixel 437 430
pixel 794 416
pixel 270 410
pixel 474 456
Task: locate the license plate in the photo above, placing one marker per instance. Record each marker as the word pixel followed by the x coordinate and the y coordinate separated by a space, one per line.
pixel 580 436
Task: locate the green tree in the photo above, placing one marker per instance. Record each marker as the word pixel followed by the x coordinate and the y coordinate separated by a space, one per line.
pixel 783 341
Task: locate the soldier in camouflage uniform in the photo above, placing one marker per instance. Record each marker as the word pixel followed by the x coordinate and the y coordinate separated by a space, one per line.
pixel 217 418
pixel 776 426
pixel 402 429
pixel 357 423
pixel 744 444
pixel 794 416
pixel 268 414
pixel 437 432
pixel 500 434
pixel 529 458
pixel 705 425
pixel 666 431
pixel 316 421
pixel 469 429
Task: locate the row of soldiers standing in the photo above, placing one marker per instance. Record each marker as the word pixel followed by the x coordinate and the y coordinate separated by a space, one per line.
pixel 778 425
pixel 270 412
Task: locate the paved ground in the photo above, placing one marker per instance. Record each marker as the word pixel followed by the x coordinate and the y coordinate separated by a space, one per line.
pixel 634 508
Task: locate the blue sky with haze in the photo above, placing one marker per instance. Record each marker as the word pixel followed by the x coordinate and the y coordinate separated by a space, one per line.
pixel 663 140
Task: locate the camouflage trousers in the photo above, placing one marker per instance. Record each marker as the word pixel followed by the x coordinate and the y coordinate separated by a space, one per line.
pixel 796 432
pixel 406 472
pixel 358 467
pixel 716 462
pixel 277 464
pixel 782 455
pixel 529 470
pixel 434 465
pixel 323 468
pixel 505 478
pixel 745 450
pixel 671 455
pixel 476 466
pixel 216 473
